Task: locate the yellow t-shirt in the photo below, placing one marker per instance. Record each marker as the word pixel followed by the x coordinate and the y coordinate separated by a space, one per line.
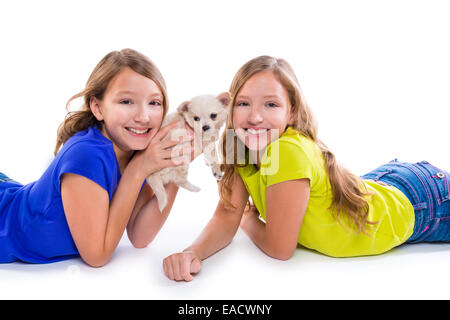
pixel 295 156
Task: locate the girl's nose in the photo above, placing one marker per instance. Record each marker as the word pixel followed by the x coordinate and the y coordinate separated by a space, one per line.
pixel 255 116
pixel 142 114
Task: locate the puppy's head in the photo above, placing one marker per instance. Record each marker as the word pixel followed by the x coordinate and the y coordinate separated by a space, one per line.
pixel 206 113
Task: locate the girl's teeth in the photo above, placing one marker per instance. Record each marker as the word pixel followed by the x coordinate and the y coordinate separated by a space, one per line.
pixel 253 131
pixel 138 131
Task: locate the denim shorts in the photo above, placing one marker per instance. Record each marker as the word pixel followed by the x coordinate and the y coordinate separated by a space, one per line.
pixel 427 188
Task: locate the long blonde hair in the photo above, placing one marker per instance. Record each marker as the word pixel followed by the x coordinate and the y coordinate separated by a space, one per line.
pixel 347 189
pixel 96 85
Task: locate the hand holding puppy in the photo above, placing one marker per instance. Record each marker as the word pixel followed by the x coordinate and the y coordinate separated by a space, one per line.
pixel 158 154
pixel 202 116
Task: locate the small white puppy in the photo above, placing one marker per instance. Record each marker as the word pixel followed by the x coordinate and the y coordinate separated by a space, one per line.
pixel 205 114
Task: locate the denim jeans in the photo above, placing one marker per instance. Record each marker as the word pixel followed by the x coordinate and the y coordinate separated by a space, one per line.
pixel 427 188
pixel 3 178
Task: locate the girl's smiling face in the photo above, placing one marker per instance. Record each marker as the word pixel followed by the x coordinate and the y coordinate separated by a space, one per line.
pixel 131 110
pixel 261 111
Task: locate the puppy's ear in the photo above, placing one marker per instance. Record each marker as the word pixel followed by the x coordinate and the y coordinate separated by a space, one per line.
pixel 184 107
pixel 224 98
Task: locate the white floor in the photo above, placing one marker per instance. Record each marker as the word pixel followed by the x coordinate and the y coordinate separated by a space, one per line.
pixel 240 271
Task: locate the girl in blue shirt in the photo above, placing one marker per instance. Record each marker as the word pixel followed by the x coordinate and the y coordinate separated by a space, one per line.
pixel 94 188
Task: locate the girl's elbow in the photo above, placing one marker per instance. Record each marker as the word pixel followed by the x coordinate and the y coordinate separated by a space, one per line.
pixel 283 254
pixel 95 261
pixel 139 244
pixel 285 257
pixel 136 241
pixel 95 264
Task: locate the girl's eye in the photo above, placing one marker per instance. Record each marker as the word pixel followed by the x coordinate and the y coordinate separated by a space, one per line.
pixel 213 115
pixel 196 118
pixel 242 104
pixel 155 103
pixel 126 101
pixel 272 105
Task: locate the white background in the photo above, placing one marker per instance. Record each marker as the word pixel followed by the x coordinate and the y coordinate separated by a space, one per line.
pixel 376 74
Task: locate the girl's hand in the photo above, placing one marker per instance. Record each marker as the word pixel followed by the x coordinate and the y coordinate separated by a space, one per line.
pixel 159 153
pixel 180 266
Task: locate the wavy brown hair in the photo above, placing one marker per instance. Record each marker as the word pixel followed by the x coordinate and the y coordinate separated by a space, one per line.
pixel 96 85
pixel 347 189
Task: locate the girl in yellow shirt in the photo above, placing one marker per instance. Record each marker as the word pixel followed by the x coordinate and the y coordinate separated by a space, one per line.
pixel 300 191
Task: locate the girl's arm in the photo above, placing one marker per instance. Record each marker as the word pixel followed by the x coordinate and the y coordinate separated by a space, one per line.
pixel 286 204
pixel 97 225
pixel 217 234
pixel 146 220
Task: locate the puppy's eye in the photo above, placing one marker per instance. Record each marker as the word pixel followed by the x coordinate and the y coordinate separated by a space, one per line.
pixel 196 118
pixel 213 115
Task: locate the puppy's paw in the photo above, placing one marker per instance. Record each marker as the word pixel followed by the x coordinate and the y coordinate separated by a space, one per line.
pixel 162 202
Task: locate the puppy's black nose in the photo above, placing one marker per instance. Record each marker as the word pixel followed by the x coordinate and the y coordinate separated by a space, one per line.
pixel 205 128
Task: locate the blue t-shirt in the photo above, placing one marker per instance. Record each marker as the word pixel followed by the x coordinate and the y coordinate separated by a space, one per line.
pixel 33 226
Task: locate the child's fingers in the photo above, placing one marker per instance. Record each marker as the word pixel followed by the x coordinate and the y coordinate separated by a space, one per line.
pixel 165 130
pixel 173 266
pixel 178 161
pixel 168 268
pixel 177 267
pixel 185 270
pixel 169 143
pixel 175 158
pixel 165 268
pixel 178 152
